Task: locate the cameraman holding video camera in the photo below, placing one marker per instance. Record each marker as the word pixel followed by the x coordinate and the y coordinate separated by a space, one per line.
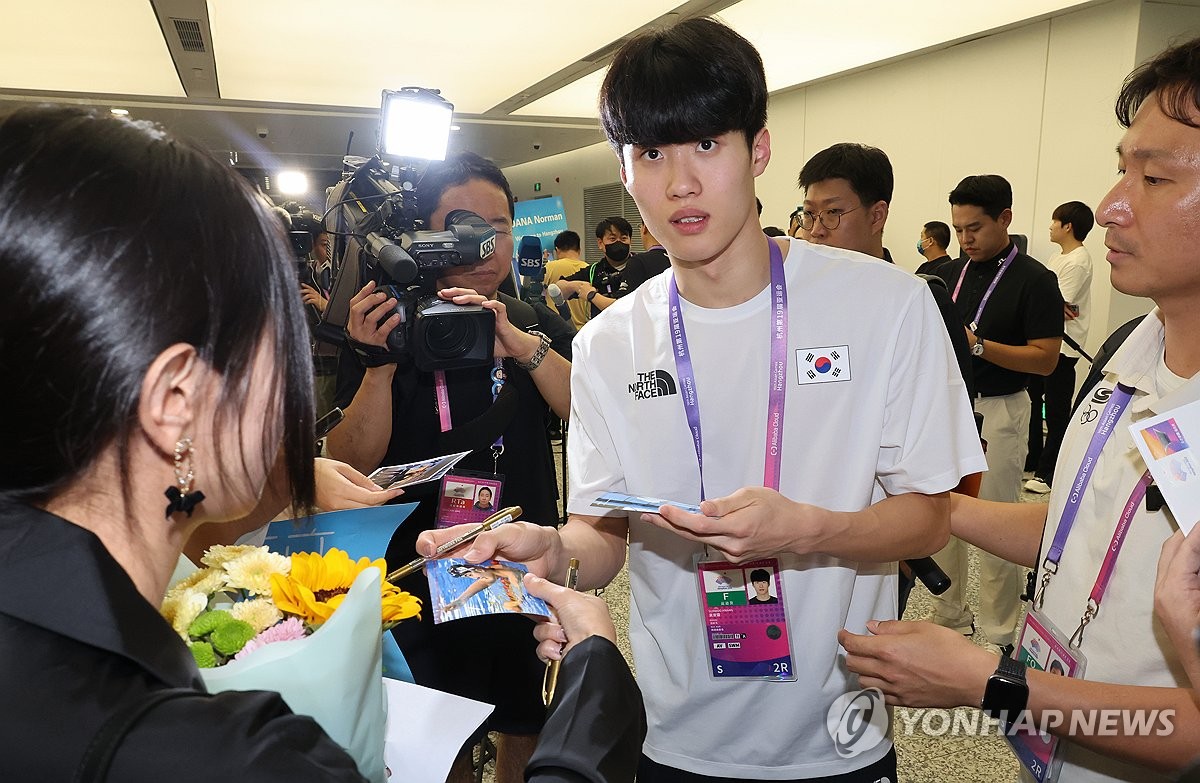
pixel 392 417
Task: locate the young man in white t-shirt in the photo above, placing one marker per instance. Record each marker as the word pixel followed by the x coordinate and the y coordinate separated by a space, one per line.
pixel 816 370
pixel 1072 265
pixel 1097 561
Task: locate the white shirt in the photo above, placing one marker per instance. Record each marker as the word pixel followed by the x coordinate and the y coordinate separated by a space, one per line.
pixel 1074 271
pixel 1124 644
pixel 899 422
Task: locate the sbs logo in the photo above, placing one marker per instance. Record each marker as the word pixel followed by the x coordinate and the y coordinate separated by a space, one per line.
pixel 857 722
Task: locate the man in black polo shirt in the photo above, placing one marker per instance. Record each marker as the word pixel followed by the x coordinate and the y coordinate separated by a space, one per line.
pixel 1012 312
pixel 645 265
pixel 600 282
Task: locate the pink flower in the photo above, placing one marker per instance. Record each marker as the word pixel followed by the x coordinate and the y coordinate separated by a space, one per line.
pixel 291 628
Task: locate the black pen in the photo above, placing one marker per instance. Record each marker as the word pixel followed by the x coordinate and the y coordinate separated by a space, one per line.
pixel 501 517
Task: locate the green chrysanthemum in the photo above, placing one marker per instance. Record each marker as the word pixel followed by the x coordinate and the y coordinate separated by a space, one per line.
pixel 229 638
pixel 203 653
pixel 208 622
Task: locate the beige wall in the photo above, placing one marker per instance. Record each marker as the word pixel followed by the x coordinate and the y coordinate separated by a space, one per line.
pixel 1033 104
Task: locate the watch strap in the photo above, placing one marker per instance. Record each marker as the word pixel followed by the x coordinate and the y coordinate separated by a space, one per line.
pixel 539 355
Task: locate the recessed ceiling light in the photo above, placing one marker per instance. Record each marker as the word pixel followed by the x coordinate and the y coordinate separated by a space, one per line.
pixel 455 127
pixel 120 112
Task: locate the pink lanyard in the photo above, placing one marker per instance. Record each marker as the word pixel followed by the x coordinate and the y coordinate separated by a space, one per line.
pixel 992 287
pixel 443 399
pixel 1110 558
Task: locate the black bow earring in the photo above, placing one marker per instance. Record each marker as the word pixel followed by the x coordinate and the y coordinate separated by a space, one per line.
pixel 180 493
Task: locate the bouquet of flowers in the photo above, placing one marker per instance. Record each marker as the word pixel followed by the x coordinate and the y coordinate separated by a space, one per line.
pixel 306 625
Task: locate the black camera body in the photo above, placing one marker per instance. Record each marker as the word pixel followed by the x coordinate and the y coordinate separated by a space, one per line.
pixel 405 260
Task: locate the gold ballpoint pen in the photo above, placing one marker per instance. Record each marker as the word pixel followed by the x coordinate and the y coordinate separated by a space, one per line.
pixel 501 517
pixel 550 680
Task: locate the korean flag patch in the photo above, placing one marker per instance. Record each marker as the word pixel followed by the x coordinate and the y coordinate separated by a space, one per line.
pixel 823 365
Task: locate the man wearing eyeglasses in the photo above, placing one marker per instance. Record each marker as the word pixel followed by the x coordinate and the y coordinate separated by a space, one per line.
pixel 847 194
pixel 1012 312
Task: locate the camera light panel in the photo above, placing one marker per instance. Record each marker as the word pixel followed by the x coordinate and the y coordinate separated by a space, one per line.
pixel 414 126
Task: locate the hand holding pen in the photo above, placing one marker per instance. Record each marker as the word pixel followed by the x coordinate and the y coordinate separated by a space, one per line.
pixel 501 517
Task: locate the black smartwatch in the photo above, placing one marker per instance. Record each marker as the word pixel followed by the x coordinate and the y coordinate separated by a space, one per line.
pixel 1006 693
pixel 591 295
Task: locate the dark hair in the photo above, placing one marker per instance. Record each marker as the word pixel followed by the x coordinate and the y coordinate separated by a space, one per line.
pixel 567 240
pixel 989 192
pixel 305 220
pixel 696 80
pixel 939 232
pixel 457 169
pixel 118 241
pixel 760 575
pixel 619 223
pixel 758 205
pixel 1173 77
pixel 867 169
pixel 1078 214
pixel 774 231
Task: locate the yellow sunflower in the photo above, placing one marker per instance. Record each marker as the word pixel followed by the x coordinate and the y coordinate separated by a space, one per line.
pixel 318 584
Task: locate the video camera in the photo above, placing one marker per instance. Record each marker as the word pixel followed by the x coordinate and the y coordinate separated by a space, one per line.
pixel 382 239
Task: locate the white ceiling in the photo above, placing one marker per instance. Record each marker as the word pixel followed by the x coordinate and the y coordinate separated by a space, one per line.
pixel 310 72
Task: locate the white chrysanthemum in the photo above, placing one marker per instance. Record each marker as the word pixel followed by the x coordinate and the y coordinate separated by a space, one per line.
pixel 219 555
pixel 206 580
pixel 252 571
pixel 188 607
pixel 261 613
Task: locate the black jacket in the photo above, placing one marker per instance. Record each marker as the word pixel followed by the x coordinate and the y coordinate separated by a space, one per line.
pixel 79 644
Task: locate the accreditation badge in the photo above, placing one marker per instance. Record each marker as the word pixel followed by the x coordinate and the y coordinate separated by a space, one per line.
pixel 745 619
pixel 1045 648
pixel 468 498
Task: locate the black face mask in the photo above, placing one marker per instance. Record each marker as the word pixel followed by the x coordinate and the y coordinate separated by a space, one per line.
pixel 617 251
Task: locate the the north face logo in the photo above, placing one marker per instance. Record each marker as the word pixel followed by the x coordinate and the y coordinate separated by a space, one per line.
pixel 656 383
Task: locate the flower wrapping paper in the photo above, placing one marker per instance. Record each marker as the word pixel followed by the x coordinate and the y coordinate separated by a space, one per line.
pixel 334 676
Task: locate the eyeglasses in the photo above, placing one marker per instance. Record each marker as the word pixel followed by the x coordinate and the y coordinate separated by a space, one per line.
pixel 830 218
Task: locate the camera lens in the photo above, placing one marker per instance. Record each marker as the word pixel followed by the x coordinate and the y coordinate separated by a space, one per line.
pixel 449 338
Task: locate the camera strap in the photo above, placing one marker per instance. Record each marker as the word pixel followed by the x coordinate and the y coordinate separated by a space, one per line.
pixel 442 394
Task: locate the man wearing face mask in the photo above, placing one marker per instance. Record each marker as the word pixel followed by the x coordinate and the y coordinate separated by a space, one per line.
pixel 934 240
pixel 600 282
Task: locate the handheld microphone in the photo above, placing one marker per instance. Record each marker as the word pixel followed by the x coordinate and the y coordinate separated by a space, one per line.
pixel 531 267
pixel 560 301
pixel 933 577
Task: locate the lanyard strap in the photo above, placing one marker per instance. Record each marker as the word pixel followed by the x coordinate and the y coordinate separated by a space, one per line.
pixel 991 287
pixel 1110 557
pixel 1117 402
pixel 778 372
pixel 442 392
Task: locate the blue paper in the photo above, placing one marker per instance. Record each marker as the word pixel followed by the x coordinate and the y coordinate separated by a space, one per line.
pixel 359 532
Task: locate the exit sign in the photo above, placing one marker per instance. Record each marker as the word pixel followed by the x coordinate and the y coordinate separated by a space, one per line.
pixel 537 186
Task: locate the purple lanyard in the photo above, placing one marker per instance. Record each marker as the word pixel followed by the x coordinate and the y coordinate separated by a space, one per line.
pixel 443 399
pixel 1118 401
pixel 992 287
pixel 775 399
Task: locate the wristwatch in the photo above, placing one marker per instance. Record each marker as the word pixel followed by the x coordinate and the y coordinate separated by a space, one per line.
pixel 535 361
pixel 1006 693
pixel 591 295
pixel 977 348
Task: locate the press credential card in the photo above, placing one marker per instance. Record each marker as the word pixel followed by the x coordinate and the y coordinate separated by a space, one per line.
pixel 1165 443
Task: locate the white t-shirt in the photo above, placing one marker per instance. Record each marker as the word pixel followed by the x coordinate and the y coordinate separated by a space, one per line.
pixel 1124 644
pixel 1074 272
pixel 896 419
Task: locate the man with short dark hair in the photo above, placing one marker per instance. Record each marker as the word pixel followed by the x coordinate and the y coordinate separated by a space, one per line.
pixel 1097 543
pixel 567 261
pixel 599 284
pixel 746 337
pixel 1072 265
pixel 397 413
pixel 932 245
pixel 1012 313
pixel 645 265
